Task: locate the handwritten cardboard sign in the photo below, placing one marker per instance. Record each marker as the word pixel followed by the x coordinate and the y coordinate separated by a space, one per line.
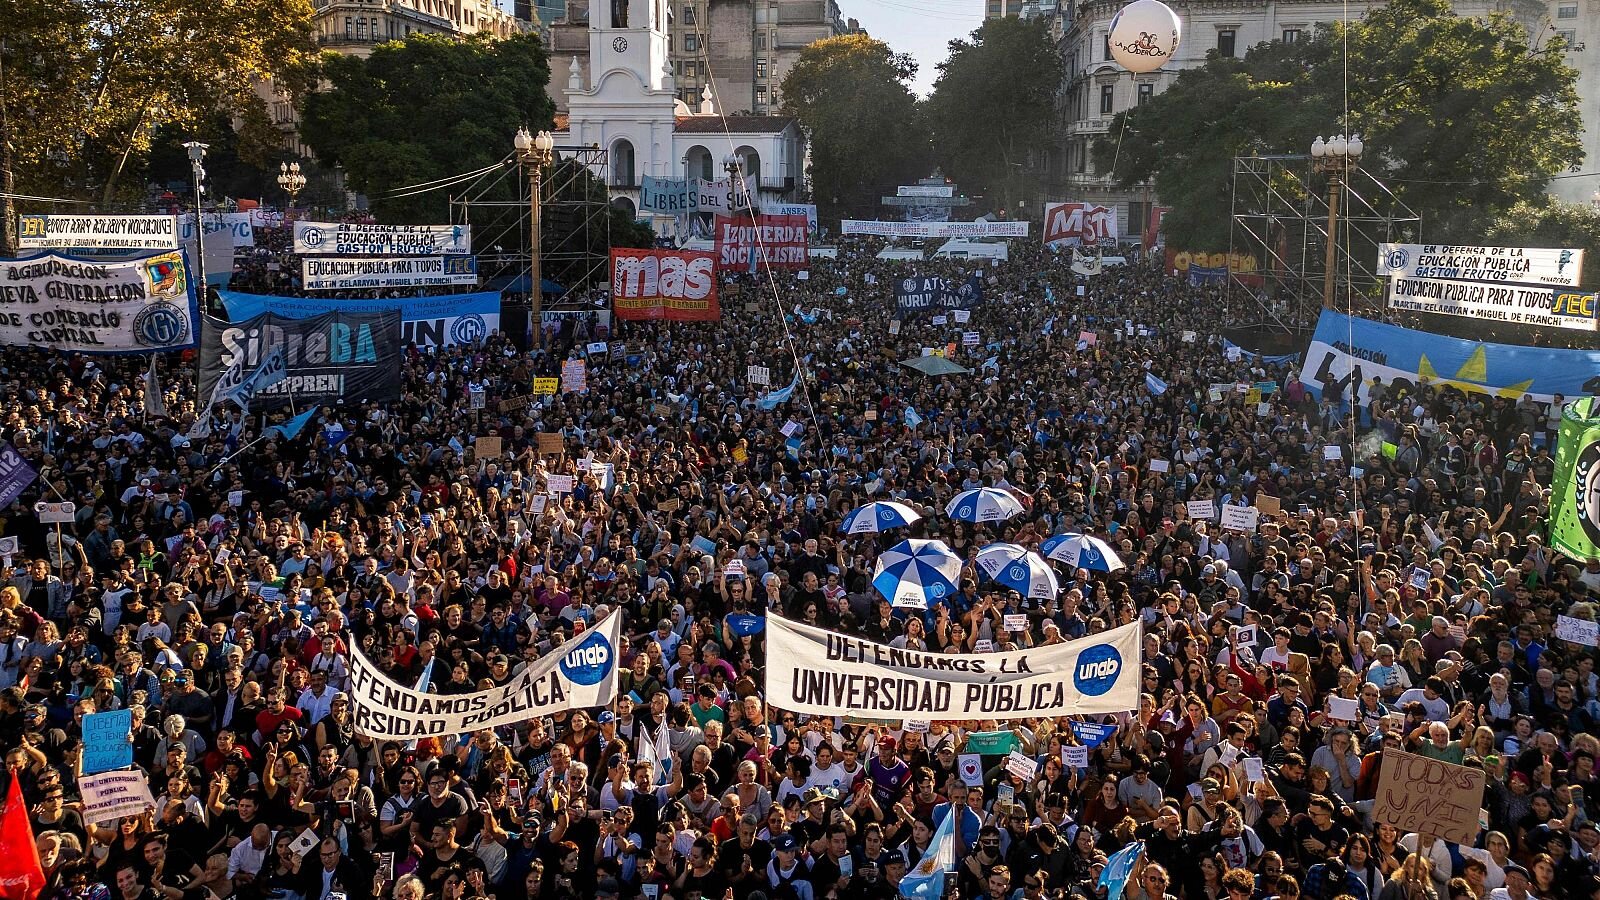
pixel 1428 796
pixel 551 444
pixel 489 447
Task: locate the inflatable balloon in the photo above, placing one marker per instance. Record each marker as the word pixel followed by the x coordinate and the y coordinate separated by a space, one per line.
pixel 1144 35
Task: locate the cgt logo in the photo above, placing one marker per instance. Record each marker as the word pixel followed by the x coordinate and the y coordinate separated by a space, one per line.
pixel 589 661
pixel 1097 670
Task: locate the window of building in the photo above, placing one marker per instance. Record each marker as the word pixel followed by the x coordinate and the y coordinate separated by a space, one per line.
pixel 761 68
pixel 761 96
pixel 1291 35
pixel 1226 38
pixel 1146 91
pixel 690 43
pixel 1569 39
pixel 688 15
pixel 1107 94
pixel 1105 46
pixel 1080 151
pixel 690 69
pixel 348 26
pixel 1567 11
pixel 994 9
pixel 761 42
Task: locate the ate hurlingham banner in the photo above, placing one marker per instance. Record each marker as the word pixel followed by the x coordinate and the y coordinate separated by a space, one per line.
pixel 810 670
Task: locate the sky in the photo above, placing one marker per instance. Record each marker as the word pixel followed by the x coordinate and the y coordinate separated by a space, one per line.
pixel 922 28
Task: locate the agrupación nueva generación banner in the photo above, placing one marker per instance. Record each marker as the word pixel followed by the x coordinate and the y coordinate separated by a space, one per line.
pixel 143 304
pixel 352 356
pixel 362 239
pixel 442 321
pixel 579 674
pixel 811 670
pixel 349 273
pixel 88 232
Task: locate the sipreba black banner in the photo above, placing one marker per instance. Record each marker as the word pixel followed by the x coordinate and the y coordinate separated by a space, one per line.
pixel 353 356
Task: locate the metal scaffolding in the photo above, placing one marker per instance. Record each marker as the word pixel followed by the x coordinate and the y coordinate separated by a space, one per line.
pixel 1279 216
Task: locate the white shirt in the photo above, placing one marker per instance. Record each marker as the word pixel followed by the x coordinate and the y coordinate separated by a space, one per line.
pixel 315 707
pixel 246 858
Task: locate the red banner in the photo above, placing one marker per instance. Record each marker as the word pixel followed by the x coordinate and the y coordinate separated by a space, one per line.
pixel 21 875
pixel 676 285
pixel 778 241
pixel 1153 227
pixel 1079 225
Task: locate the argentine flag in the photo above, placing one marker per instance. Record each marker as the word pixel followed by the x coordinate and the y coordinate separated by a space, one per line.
pixel 926 881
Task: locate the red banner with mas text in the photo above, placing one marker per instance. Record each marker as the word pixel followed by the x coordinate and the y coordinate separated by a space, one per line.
pixel 750 243
pixel 675 285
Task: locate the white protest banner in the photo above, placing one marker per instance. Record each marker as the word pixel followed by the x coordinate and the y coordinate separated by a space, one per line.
pixel 926 190
pixel 1023 767
pixel 140 305
pixel 1075 756
pixel 1521 265
pixel 1202 509
pixel 791 428
pixel 595 348
pixel 1429 796
pixel 237 229
pixel 348 273
pixel 1245 635
pixel 1017 622
pixel 1577 631
pixel 1188 337
pixel 1332 452
pixel 734 569
pixel 581 673
pixel 109 796
pixel 43 232
pixel 963 316
pixel 811 670
pixel 934 229
pixel 1254 771
pixel 916 726
pixel 52 512
pixel 1517 304
pixel 558 484
pixel 1240 518
pixel 970 338
pixel 365 239
pixel 761 375
pixel 1341 709
pixel 1160 465
pixel 941 320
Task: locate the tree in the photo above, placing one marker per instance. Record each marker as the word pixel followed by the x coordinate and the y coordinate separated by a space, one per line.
pixel 423 109
pixel 866 133
pixel 1445 105
pixel 86 83
pixel 993 108
pixel 1552 223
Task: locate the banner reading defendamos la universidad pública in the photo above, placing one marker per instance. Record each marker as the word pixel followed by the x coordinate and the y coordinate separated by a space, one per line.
pixel 811 670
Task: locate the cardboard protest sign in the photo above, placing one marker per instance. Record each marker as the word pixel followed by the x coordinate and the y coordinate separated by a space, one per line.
pixel 1268 504
pixel 551 444
pixel 109 796
pixel 1429 796
pixel 488 447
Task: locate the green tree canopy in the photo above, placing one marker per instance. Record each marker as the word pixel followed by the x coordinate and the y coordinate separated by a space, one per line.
pixel 1461 118
pixel 866 134
pixel 1552 223
pixel 423 109
pixel 993 108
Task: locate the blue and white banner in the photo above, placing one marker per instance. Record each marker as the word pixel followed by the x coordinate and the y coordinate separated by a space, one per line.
pixel 809 210
pixel 351 273
pixel 240 226
pixel 926 881
pixel 1231 350
pixel 16 475
pixel 1345 349
pixel 366 239
pixel 139 304
pixel 1515 265
pixel 442 321
pixel 915 292
pixel 934 229
pixel 1092 734
pixel 1115 875
pixel 683 196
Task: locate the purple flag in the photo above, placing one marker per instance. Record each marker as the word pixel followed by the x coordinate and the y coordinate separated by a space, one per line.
pixel 15 475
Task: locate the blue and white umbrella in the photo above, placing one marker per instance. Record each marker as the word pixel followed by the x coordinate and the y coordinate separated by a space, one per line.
pixel 914 573
pixel 1080 551
pixel 983 505
pixel 879 516
pixel 1020 569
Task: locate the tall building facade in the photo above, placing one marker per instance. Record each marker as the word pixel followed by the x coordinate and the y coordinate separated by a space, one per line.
pixel 742 49
pixel 1096 87
pixel 1577 22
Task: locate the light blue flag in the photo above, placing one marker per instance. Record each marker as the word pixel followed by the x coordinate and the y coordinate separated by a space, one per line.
pixel 1154 385
pixel 926 881
pixel 292 428
pixel 793 446
pixel 771 399
pixel 423 681
pixel 1118 868
pixel 912 419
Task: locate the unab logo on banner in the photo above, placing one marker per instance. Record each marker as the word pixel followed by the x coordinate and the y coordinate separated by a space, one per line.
pixel 1097 670
pixel 590 660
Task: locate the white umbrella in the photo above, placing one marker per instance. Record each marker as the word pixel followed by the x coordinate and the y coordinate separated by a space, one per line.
pixel 916 572
pixel 983 505
pixel 879 516
pixel 1020 569
pixel 1080 551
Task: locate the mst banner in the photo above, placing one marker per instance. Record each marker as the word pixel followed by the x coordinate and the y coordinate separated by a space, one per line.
pixel 777 241
pixel 676 285
pixel 351 356
pixel 107 232
pixel 810 670
pixel 348 273
pixel 1519 304
pixel 1345 349
pixel 936 291
pixel 442 321
pixel 1522 265
pixel 934 229
pixel 139 305
pixel 580 674
pixel 361 239
pixel 1079 225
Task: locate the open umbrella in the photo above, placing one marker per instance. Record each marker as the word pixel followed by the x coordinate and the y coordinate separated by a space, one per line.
pixel 983 505
pixel 935 365
pixel 916 572
pixel 1019 569
pixel 879 516
pixel 1080 551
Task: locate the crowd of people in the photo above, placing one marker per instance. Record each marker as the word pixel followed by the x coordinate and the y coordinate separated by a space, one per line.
pixel 216 587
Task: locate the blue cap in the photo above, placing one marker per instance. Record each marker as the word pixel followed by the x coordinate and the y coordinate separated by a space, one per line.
pixel 607 715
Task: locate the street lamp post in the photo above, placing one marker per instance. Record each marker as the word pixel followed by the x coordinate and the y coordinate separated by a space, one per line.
pixel 197 158
pixel 292 181
pixel 534 152
pixel 1334 158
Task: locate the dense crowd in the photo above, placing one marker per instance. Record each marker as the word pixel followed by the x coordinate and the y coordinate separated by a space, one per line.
pixel 1411 579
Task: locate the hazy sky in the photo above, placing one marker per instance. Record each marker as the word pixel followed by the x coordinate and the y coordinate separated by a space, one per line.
pixel 921 28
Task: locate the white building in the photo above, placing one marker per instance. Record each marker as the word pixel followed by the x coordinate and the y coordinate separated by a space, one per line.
pixel 628 104
pixel 1097 87
pixel 1578 24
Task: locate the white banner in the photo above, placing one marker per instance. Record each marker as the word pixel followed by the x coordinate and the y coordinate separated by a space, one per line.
pixel 1525 265
pixel 1518 304
pixel 810 670
pixel 926 190
pixel 344 273
pixel 359 239
pixel 809 210
pixel 241 225
pixel 580 674
pixel 105 232
pixel 109 796
pixel 138 305
pixel 934 229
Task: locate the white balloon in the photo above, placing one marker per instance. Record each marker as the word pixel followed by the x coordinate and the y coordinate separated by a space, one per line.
pixel 1144 35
